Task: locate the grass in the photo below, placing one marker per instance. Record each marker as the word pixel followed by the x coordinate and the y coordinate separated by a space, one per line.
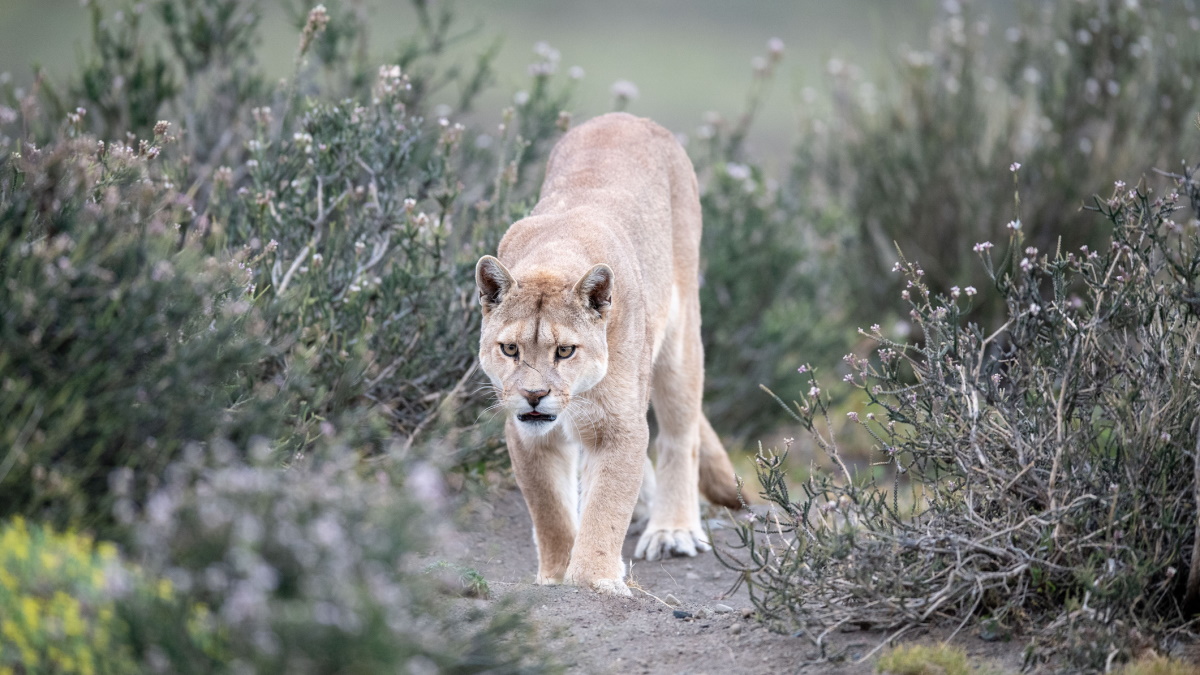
pixel 939 659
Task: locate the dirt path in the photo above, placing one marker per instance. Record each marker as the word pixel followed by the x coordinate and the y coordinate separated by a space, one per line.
pixel 598 634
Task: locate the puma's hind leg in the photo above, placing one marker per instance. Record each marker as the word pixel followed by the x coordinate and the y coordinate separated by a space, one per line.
pixel 674 527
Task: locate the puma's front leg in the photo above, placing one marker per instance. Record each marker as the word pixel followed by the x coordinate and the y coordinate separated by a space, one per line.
pixel 545 467
pixel 612 477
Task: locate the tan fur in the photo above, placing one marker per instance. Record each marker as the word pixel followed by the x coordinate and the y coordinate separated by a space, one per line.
pixel 607 263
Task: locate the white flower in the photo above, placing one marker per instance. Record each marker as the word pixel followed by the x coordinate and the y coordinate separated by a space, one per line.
pixel 624 90
pixel 1014 225
pixel 969 290
pixel 1014 166
pixel 737 171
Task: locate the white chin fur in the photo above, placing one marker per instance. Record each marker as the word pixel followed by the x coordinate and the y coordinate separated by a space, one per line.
pixel 534 429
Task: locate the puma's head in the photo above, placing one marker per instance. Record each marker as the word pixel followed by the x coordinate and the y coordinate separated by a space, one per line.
pixel 543 339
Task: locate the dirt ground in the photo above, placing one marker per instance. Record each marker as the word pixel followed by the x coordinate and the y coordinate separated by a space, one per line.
pixel 599 634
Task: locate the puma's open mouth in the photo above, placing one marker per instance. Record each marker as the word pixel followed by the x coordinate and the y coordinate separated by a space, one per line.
pixel 535 416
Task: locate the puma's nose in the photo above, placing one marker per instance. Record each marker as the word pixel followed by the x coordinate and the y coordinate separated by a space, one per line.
pixel 535 397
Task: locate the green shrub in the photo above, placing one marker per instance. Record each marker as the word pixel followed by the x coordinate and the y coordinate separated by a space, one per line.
pixel 283 269
pixel 1044 472
pixel 289 274
pixel 765 299
pixel 117 344
pixel 62 599
pixel 1078 93
pixel 765 294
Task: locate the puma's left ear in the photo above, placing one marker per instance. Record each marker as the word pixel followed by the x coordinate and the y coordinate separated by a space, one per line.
pixel 595 289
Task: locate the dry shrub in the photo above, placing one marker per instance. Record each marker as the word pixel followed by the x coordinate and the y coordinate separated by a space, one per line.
pixel 1043 473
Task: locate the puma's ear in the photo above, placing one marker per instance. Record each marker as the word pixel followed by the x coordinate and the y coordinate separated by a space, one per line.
pixel 493 280
pixel 595 289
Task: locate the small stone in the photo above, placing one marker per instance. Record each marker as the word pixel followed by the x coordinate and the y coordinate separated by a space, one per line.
pixel 722 609
pixel 681 614
pixel 672 600
pixel 747 612
pixel 691 575
pixel 701 613
pixel 735 628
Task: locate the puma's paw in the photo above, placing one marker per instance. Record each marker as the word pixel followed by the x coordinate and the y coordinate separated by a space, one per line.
pixel 658 543
pixel 604 581
pixel 602 586
pixel 611 587
pixel 548 581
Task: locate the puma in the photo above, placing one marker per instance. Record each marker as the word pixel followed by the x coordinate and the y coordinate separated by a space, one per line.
pixel 591 314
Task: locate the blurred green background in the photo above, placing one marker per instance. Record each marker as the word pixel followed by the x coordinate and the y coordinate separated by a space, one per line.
pixel 685 56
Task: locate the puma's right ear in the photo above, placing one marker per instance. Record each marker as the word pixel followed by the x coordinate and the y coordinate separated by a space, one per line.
pixel 493 280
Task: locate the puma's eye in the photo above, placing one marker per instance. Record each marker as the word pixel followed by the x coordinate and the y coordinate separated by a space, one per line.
pixel 564 352
pixel 509 350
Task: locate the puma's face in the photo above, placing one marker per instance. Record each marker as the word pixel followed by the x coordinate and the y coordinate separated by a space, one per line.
pixel 543 340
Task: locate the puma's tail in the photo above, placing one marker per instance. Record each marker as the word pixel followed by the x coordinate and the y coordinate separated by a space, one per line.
pixel 717 482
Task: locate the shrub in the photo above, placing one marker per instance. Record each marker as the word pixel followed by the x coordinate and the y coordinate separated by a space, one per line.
pixel 764 296
pixel 118 344
pixel 288 274
pixel 1079 93
pixel 310 569
pixel 61 601
pixel 283 269
pixel 1047 467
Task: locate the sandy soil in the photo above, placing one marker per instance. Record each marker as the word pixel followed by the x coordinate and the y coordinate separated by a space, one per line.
pixel 642 634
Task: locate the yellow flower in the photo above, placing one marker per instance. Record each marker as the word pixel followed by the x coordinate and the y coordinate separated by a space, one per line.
pixel 107 551
pixel 8 629
pixel 164 589
pixel 15 541
pixel 49 561
pixel 73 624
pixel 31 612
pixel 86 665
